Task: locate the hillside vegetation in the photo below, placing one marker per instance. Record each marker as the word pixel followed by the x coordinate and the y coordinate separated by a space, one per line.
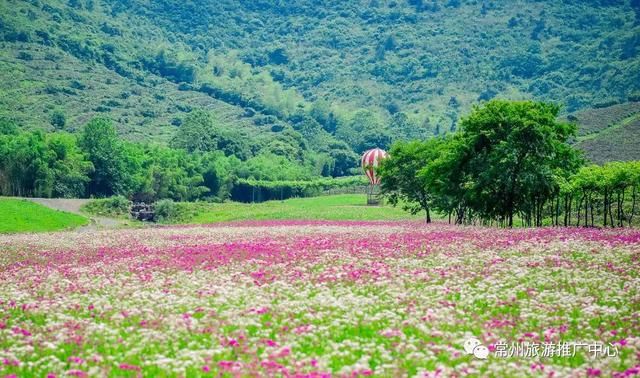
pixel 364 73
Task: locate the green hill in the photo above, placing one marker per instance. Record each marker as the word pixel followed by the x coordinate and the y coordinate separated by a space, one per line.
pixel 363 72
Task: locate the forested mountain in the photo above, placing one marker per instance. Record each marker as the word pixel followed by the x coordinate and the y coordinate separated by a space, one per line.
pixel 302 78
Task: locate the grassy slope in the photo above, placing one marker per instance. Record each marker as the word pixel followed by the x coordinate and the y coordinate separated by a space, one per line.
pixel 611 133
pixel 338 207
pixel 25 216
pixel 594 121
pixel 620 142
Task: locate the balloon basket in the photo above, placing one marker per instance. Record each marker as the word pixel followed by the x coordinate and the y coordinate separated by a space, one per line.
pixel 374 197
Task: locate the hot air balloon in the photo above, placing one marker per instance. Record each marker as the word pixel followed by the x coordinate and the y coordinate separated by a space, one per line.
pixel 370 161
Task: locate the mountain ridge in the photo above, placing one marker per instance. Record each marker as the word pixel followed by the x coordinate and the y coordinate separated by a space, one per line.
pixel 401 69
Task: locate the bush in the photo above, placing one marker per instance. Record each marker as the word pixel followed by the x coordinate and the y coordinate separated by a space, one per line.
pixel 165 211
pixel 114 206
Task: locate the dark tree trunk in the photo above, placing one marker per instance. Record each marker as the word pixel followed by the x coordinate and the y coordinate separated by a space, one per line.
pixel 622 216
pixel 586 210
pixel 613 224
pixel 579 209
pixel 591 207
pixel 604 211
pixel 633 205
pixel 619 211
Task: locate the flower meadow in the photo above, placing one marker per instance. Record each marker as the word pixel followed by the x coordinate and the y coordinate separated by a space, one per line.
pixel 317 299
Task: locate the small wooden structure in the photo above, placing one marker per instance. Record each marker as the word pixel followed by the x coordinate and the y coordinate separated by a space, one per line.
pixel 143 211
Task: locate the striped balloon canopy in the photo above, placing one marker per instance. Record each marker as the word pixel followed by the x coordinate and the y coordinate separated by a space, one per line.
pixel 370 161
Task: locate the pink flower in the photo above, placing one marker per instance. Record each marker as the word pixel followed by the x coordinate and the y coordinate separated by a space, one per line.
pixel 9 362
pixel 225 365
pixel 537 366
pixel 206 368
pixel 75 360
pixel 284 352
pixel 78 373
pixel 621 342
pixel 21 331
pixel 125 366
pixel 592 372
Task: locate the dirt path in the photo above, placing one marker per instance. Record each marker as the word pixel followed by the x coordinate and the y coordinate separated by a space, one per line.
pixel 73 205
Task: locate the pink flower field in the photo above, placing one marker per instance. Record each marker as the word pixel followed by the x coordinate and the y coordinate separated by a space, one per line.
pixel 320 299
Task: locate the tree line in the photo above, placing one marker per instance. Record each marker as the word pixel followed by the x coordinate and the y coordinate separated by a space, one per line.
pixel 197 166
pixel 511 160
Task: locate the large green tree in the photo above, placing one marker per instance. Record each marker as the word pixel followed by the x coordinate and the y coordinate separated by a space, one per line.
pixel 400 179
pixel 100 142
pixel 514 150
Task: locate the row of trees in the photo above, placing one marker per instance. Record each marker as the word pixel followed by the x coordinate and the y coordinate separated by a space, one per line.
pixel 601 195
pixel 510 160
pixel 96 162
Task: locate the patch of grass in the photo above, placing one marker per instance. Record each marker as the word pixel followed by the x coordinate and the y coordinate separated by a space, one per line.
pixel 336 207
pixel 25 216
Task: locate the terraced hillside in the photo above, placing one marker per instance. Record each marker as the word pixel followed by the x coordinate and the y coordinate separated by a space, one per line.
pixel 610 133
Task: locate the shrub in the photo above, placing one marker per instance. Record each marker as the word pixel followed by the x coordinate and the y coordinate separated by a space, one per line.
pixel 165 210
pixel 113 206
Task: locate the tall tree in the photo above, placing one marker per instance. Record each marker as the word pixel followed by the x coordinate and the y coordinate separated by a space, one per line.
pixel 515 149
pixel 400 179
pixel 99 141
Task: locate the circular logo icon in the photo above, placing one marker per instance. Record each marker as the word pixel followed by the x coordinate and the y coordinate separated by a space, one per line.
pixel 481 352
pixel 470 345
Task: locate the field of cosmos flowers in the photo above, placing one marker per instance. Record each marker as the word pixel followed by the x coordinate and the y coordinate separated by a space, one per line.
pixel 316 298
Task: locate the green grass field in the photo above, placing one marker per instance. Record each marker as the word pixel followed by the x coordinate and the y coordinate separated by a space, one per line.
pixel 336 207
pixel 25 216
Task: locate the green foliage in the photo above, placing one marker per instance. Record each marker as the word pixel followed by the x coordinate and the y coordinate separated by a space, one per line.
pixel 106 152
pixel 363 131
pixel 165 210
pixel 147 65
pixel 100 164
pixel 513 152
pixel 508 159
pixel 400 175
pixel 607 194
pixel 26 216
pixel 58 119
pixel 201 133
pixel 40 165
pixel 251 190
pixel 116 206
